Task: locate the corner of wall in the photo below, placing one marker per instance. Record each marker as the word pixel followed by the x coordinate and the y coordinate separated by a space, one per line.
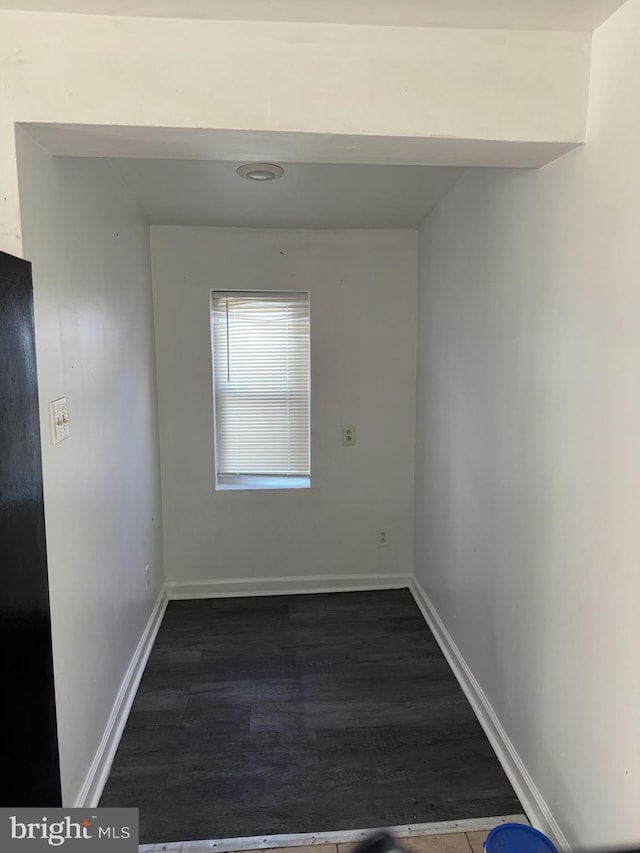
pixel 536 809
pixel 98 773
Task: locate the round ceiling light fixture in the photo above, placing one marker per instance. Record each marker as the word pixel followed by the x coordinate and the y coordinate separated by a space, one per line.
pixel 260 171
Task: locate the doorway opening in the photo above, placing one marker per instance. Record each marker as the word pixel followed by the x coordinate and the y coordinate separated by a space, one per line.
pixel 294 690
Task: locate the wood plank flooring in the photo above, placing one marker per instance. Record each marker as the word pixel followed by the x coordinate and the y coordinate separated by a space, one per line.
pixel 308 713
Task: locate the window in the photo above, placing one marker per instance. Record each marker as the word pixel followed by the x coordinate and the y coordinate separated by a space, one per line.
pixel 260 346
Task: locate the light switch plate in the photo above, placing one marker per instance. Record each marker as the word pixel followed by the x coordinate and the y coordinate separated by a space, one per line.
pixel 59 420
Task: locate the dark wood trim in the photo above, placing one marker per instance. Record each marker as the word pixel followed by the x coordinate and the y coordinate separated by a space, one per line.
pixel 30 764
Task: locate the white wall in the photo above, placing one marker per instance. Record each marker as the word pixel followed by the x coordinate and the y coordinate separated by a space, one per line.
pixel 410 82
pixel 363 305
pixel 94 326
pixel 528 450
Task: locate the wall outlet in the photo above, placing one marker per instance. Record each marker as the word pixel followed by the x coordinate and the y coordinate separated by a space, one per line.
pixel 147 575
pixel 348 435
pixel 383 537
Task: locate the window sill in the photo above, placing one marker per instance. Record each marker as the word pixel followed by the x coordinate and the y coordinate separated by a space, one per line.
pixel 248 484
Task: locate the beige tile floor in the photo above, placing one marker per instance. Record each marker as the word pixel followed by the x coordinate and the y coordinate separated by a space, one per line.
pixel 456 842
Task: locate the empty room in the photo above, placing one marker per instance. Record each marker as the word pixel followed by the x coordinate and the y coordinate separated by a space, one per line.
pixel 319 469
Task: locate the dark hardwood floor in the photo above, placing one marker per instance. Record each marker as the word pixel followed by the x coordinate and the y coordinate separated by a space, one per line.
pixel 303 713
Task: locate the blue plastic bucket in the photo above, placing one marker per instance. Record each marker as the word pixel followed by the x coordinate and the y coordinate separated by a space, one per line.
pixel 517 838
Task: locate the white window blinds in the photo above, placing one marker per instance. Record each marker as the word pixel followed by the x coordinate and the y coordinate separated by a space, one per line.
pixel 260 344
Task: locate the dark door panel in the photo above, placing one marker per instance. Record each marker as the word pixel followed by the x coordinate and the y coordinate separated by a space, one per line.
pixel 30 768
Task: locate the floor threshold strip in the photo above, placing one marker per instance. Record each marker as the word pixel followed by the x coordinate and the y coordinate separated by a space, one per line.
pixel 308 839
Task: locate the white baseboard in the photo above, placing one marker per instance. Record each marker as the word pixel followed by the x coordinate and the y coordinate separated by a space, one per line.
pixel 226 588
pixel 96 778
pixel 536 808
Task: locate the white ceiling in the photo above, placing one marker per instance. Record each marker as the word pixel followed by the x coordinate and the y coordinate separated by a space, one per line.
pixel 475 14
pixel 309 195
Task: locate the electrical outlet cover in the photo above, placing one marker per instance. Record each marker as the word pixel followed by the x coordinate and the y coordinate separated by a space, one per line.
pixel 383 537
pixel 348 436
